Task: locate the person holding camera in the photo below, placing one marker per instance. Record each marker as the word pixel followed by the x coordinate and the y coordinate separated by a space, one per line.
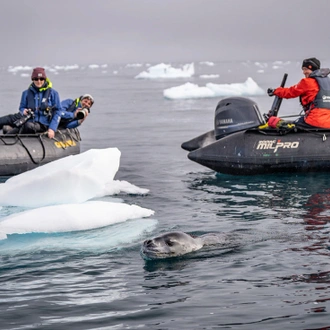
pixel 39 109
pixel 74 112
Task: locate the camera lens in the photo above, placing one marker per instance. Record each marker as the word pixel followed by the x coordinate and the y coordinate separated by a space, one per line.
pixel 81 114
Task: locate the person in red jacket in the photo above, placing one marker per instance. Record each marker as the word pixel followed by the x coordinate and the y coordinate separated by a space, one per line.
pixel 314 94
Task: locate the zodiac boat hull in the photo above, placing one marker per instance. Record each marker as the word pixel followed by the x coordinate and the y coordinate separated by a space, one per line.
pixel 254 152
pixel 242 144
pixel 23 152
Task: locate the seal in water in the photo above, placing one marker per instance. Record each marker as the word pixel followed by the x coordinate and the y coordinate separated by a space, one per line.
pixel 176 244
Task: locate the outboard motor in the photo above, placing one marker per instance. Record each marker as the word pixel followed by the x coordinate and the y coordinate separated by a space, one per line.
pixel 234 114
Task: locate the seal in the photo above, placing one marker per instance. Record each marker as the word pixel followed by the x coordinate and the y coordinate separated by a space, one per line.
pixel 178 243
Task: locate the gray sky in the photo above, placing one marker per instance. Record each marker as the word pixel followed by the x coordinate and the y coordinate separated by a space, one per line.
pixel 128 31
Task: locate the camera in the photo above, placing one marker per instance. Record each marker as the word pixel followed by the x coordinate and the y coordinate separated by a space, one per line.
pixel 24 119
pixel 81 114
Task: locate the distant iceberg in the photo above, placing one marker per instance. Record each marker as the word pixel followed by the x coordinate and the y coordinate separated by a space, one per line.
pixel 64 67
pixel 133 65
pixel 54 69
pixel 209 76
pixel 193 91
pixel 15 69
pixel 208 63
pixel 167 71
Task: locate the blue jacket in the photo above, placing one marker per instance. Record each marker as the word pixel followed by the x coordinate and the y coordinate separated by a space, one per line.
pixel 49 119
pixel 69 107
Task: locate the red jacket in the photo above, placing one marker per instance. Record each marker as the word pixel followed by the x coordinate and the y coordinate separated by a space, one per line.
pixel 307 89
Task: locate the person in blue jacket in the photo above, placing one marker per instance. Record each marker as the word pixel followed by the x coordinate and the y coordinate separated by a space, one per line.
pixel 43 103
pixel 39 109
pixel 74 112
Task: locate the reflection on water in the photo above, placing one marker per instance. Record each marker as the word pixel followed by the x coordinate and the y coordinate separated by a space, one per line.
pixel 291 208
pixel 321 277
pixel 156 267
pixel 257 197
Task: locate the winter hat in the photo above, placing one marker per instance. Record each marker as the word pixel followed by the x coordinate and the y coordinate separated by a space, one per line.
pixel 87 96
pixel 311 63
pixel 38 73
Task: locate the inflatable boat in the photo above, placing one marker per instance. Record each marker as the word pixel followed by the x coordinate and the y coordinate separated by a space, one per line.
pixel 23 152
pixel 243 144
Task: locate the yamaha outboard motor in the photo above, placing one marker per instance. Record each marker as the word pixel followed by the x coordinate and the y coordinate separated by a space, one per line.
pixel 234 114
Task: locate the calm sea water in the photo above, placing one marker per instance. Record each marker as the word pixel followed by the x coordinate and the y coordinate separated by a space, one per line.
pixel 278 277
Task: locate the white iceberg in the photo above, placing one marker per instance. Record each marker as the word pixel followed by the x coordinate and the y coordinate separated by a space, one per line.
pixel 70 217
pixel 209 76
pixel 193 91
pixel 73 179
pixel 208 63
pixel 167 71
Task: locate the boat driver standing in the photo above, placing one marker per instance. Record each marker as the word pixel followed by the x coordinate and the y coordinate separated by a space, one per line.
pixel 314 94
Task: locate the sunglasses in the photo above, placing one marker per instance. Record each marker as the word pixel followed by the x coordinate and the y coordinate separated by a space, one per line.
pixel 36 79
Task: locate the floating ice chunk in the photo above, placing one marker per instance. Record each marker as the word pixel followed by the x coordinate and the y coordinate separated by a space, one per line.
pixel 104 239
pixel 167 71
pixel 187 91
pixel 209 76
pixel 261 65
pixel 15 69
pixel 115 187
pixel 70 217
pixel 66 67
pixel 133 65
pixel 207 63
pixel 73 179
pixel 191 91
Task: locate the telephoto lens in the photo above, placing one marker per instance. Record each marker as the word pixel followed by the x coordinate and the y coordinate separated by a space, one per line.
pixel 81 114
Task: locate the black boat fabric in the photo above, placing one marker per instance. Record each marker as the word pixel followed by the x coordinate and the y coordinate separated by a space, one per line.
pixel 23 152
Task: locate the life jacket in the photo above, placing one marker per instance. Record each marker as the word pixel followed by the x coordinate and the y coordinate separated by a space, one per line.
pixel 322 98
pixel 31 104
pixel 74 105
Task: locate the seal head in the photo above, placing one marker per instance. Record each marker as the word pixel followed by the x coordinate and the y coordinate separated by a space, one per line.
pixel 169 245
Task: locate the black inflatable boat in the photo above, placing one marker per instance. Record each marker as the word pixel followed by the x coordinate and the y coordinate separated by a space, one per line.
pixel 241 143
pixel 23 152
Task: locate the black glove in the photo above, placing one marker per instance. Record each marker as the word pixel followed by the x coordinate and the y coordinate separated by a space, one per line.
pixel 268 115
pixel 270 91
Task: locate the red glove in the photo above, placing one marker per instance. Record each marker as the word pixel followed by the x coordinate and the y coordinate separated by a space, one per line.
pixel 273 121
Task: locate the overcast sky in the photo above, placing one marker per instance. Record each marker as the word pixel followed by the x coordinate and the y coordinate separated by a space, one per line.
pixel 129 31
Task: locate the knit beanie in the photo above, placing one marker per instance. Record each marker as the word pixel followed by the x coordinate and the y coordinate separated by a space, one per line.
pixel 38 73
pixel 311 63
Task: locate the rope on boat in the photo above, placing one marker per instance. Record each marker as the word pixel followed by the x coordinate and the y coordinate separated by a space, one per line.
pixel 18 139
pixel 28 152
pixel 77 133
pixel 317 133
pixel 69 133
